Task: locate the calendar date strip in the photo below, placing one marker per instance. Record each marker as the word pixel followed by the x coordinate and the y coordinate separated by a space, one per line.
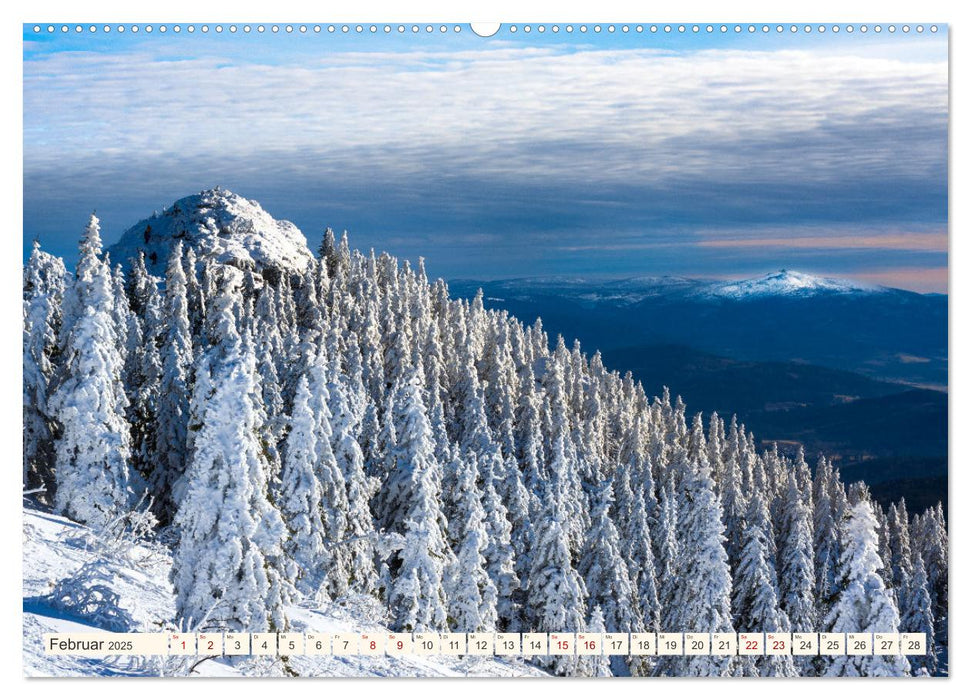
pixel 523 645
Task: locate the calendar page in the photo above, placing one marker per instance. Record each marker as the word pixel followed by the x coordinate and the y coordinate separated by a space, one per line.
pixel 485 350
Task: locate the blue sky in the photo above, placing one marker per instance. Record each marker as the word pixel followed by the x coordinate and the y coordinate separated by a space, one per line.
pixel 722 155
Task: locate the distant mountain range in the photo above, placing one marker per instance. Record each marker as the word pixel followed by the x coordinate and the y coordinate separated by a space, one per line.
pixel 854 371
pixel 633 290
pixel 786 316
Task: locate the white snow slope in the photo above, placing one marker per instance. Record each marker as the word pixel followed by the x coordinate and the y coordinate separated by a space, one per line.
pixel 219 225
pixel 125 587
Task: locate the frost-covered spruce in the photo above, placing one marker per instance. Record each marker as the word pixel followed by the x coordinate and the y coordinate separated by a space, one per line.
pixel 471 592
pixel 916 616
pixel 826 544
pixel 596 666
pixel 222 568
pixel 359 525
pixel 93 450
pixel 703 595
pixel 644 579
pixel 668 556
pixel 174 390
pixel 863 604
pixel 754 594
pixel 933 549
pixel 333 488
pixel 797 577
pixel 44 282
pixel 518 502
pixel 641 555
pixel 269 352
pixel 901 557
pixel 564 476
pixel 300 497
pixel 128 328
pixel 500 558
pixel 556 594
pixel 732 495
pixel 529 440
pixel 408 441
pixel 417 597
pixel 605 574
pixel 146 367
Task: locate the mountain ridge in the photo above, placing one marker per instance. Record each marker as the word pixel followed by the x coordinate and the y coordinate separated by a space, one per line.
pixel 782 283
pixel 218 224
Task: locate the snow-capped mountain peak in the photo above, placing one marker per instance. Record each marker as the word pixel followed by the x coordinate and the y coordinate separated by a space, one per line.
pixel 218 224
pixel 786 283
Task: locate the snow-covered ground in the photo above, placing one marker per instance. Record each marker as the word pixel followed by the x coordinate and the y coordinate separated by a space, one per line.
pixel 127 588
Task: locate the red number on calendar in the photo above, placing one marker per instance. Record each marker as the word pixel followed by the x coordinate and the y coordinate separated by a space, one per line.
pixel 183 644
pixel 210 647
pixel 590 646
pixel 751 644
pixel 400 645
pixel 778 645
pixel 563 645
pixel 373 646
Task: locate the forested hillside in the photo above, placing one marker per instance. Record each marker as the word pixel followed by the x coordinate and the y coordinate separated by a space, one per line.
pixel 344 427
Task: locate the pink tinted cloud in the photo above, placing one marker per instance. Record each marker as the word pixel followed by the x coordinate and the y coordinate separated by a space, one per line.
pixel 918 279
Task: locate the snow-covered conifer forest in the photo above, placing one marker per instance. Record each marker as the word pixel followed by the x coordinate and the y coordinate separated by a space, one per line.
pixel 300 430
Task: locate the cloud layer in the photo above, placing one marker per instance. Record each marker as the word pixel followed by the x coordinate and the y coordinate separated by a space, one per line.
pixel 622 160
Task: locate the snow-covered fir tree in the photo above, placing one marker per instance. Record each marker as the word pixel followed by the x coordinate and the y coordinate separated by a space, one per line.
pixel 174 389
pixel 145 367
pixel 44 283
pixel 863 603
pixel 93 476
pixel 229 529
pixel 471 593
pixel 917 616
pixel 608 583
pixel 301 495
pixel 755 598
pixel 702 596
pixel 557 596
pixel 796 572
pixel 417 596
